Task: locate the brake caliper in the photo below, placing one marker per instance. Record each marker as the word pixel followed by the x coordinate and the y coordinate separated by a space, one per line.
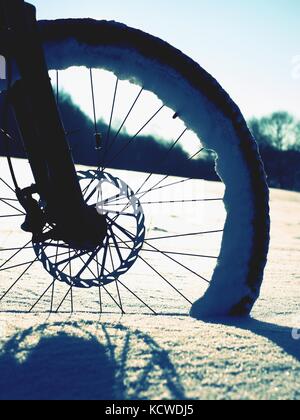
pixel 35 219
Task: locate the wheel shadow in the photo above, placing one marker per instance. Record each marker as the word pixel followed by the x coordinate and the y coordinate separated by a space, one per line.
pixel 38 365
pixel 279 335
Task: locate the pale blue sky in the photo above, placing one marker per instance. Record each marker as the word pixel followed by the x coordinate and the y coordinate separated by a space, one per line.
pixel 248 45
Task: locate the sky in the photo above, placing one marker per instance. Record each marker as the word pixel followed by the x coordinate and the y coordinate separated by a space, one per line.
pixel 251 47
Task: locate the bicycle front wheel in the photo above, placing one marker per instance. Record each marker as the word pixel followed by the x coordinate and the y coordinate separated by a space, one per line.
pixel 153 192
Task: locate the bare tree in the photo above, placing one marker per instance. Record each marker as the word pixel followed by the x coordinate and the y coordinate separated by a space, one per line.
pixel 297 137
pixel 279 130
pixel 278 136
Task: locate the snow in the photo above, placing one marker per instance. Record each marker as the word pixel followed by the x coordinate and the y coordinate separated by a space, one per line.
pixel 140 356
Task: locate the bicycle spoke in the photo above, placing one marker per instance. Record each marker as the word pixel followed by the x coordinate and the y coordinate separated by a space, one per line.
pixel 13 207
pixel 104 257
pixel 120 228
pixel 85 190
pixel 116 198
pixel 72 300
pixel 57 246
pixel 196 154
pixel 135 136
pixel 177 262
pixel 116 245
pixel 41 297
pixel 70 274
pixel 52 296
pixel 7 216
pixel 111 119
pixel 52 293
pixel 163 179
pixel 18 279
pixel 168 176
pixel 111 200
pixel 96 125
pixel 28 262
pixel 97 265
pixel 91 257
pixel 64 298
pixel 93 101
pixel 116 280
pixel 9 199
pixel 54 281
pixel 102 285
pixel 16 266
pixel 144 203
pixel 183 235
pixel 87 199
pixel 96 133
pixel 125 120
pixel 102 271
pixel 8 186
pixel 14 249
pixel 161 276
pixel 164 159
pixel 119 213
pixel 180 235
pixel 143 193
pixel 181 254
pixel 69 259
pixel 18 252
pixel 137 297
pixel 183 201
pixel 99 288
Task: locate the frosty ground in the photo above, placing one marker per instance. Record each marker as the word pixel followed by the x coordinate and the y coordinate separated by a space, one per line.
pixel 141 356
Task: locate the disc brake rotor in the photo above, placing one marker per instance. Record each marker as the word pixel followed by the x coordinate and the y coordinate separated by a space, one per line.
pixel 120 248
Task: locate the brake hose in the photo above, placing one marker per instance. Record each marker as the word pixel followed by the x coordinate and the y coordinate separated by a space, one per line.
pixel 4 131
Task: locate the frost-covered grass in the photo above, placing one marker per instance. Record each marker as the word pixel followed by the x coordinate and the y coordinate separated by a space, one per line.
pixel 139 356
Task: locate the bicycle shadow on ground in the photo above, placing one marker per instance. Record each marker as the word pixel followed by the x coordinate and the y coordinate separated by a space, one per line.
pixel 279 335
pixel 35 365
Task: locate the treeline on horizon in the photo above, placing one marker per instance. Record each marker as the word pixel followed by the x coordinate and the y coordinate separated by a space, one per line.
pixel 141 154
pixel 278 138
pixel 277 135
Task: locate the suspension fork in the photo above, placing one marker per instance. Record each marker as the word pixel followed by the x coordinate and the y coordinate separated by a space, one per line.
pixel 39 121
